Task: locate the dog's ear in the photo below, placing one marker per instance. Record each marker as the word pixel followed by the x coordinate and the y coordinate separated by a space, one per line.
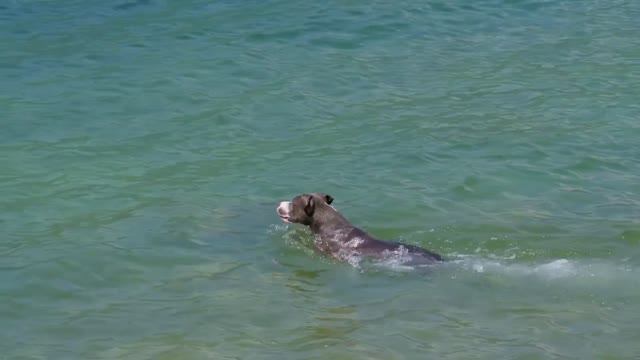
pixel 310 207
pixel 325 197
pixel 328 198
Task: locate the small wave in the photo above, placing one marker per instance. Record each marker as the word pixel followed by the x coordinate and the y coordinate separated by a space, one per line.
pixel 297 238
pixel 581 273
pixel 275 228
pixel 575 271
pixel 558 269
pixel 399 260
pixel 554 269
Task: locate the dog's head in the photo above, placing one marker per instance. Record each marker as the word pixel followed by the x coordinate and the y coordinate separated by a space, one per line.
pixel 303 207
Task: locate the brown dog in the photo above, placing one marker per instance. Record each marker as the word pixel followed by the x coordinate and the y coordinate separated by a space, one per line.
pixel 337 237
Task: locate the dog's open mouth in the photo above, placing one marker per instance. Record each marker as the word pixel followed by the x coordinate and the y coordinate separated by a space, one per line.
pixel 285 218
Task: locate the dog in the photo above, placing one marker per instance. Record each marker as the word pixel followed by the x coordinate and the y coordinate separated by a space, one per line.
pixel 337 237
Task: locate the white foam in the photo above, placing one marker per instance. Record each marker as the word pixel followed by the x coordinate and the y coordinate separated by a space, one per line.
pixel 558 269
pixel 354 261
pixel 554 269
pixel 277 228
pixel 355 242
pixel 395 260
pixel 561 271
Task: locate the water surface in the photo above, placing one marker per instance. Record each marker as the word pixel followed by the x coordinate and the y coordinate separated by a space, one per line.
pixel 145 145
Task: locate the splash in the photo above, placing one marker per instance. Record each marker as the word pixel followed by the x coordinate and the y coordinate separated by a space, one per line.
pixel 553 270
pixel 397 261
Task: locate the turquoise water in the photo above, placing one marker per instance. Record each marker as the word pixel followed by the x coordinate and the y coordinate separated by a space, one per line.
pixel 146 144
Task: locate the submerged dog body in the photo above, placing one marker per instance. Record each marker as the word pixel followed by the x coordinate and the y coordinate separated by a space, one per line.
pixel 336 236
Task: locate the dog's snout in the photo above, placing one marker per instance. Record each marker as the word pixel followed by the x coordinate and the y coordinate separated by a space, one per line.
pixel 283 208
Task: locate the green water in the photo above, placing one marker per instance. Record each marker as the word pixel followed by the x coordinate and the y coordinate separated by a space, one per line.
pixel 145 146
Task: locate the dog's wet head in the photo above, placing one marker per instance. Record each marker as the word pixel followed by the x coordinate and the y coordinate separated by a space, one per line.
pixel 302 208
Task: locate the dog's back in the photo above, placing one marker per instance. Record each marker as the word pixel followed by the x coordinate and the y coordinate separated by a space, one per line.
pixel 361 243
